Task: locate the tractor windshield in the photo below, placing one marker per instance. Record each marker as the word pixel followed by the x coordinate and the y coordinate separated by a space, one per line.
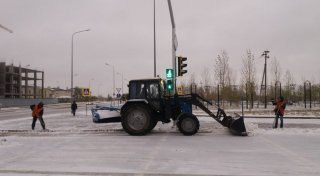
pixel 144 90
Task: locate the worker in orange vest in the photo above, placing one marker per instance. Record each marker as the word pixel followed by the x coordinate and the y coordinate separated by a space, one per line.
pixel 279 112
pixel 37 112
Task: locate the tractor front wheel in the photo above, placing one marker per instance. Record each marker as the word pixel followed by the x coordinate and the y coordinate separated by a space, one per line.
pixel 188 124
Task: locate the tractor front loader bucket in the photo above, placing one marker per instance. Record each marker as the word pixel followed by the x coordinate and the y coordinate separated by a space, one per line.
pixel 236 125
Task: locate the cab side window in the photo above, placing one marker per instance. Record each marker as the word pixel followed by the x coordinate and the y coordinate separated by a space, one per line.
pixel 153 91
pixel 140 90
pixel 137 90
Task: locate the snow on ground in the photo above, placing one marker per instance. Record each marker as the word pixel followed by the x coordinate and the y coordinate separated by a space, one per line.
pixel 77 146
pixel 82 123
pixel 68 124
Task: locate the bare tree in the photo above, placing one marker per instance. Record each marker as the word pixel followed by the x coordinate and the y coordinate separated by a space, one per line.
pixel 206 80
pixel 249 75
pixel 222 73
pixel 205 76
pixel 275 70
pixel 192 79
pixel 222 69
pixel 288 78
pixel 248 68
pixel 289 85
pixel 192 82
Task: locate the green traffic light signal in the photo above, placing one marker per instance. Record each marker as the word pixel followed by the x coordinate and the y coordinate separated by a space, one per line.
pixel 169 73
pixel 169 84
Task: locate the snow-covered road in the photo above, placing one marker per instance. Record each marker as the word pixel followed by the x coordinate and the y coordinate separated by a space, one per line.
pixel 76 146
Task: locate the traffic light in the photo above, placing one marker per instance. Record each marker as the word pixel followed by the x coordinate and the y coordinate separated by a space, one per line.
pixel 169 73
pixel 169 84
pixel 181 66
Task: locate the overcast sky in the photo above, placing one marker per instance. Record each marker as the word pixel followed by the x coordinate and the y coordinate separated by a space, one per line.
pixel 122 35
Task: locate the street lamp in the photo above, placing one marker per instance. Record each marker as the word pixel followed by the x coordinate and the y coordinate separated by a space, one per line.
pixel 72 58
pixel 113 78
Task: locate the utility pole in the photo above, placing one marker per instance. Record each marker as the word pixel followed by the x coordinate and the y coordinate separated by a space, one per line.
pixel 266 56
pixel 154 39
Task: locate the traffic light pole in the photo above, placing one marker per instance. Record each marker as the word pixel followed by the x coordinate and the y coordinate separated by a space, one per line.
pixel 174 46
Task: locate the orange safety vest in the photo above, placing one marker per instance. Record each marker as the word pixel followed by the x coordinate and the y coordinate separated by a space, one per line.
pixel 281 105
pixel 36 111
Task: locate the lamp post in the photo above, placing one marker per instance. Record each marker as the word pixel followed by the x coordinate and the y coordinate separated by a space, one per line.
pixel 72 58
pixel 113 78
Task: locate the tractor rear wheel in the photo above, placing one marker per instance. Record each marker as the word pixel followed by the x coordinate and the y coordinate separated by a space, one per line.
pixel 137 120
pixel 188 124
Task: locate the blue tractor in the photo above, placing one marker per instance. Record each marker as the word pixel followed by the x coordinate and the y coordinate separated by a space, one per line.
pixel 149 102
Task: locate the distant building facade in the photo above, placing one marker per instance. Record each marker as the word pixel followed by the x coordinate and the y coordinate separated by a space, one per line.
pixel 19 82
pixel 57 93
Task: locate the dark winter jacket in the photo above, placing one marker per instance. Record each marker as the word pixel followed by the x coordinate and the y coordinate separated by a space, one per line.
pixel 74 106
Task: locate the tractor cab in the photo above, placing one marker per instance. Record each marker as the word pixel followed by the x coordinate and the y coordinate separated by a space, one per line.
pixel 150 91
pixel 146 89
